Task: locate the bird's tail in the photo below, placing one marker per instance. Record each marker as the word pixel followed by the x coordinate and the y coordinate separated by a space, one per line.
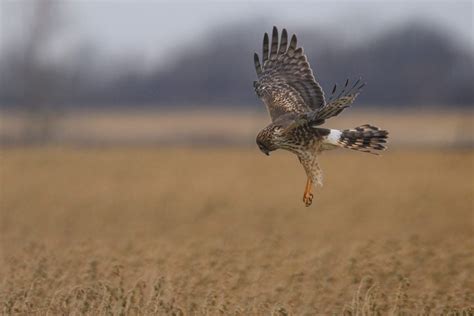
pixel 363 138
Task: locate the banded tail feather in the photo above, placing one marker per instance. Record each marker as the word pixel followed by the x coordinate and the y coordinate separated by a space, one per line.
pixel 364 138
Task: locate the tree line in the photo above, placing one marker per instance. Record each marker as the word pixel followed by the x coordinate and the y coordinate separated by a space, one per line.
pixel 410 65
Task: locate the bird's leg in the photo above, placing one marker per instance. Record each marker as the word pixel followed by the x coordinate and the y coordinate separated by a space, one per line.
pixel 308 196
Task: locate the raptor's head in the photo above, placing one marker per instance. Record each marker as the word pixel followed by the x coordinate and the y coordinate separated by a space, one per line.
pixel 265 141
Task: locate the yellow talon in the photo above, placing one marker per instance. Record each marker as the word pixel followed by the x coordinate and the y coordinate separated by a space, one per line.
pixel 308 196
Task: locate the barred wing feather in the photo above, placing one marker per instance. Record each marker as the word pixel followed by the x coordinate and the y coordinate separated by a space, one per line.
pixel 338 101
pixel 286 83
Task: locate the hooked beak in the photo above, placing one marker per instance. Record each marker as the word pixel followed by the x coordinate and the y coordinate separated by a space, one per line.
pixel 266 153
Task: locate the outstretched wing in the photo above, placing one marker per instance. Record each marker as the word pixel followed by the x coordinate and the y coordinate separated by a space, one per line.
pixel 338 101
pixel 286 83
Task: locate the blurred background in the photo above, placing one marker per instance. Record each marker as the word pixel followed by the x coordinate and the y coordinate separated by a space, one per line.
pixel 131 184
pixel 153 72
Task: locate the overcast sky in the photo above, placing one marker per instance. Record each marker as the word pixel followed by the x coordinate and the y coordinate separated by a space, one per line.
pixel 154 29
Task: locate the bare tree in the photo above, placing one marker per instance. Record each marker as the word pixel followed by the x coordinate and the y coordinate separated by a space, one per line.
pixel 38 80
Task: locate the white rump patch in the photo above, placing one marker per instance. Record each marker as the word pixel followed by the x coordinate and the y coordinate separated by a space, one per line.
pixel 334 137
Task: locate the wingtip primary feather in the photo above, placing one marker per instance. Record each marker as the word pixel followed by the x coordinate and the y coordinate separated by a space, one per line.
pixel 256 60
pixel 274 45
pixel 293 43
pixel 283 42
pixel 356 83
pixel 265 48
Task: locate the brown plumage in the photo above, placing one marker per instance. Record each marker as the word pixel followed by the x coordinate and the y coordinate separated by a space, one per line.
pixel 297 107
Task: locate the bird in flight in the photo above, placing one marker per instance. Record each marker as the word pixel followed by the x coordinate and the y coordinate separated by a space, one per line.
pixel 297 107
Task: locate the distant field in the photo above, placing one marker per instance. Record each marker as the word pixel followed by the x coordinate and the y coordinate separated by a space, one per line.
pixel 224 231
pixel 447 127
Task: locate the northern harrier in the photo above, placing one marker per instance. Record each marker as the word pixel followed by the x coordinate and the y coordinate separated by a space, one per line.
pixel 297 107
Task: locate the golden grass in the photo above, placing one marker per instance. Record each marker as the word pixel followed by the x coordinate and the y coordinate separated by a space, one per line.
pixel 224 231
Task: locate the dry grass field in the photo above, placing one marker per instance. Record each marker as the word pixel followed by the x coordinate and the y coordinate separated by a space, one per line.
pixel 201 125
pixel 224 231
